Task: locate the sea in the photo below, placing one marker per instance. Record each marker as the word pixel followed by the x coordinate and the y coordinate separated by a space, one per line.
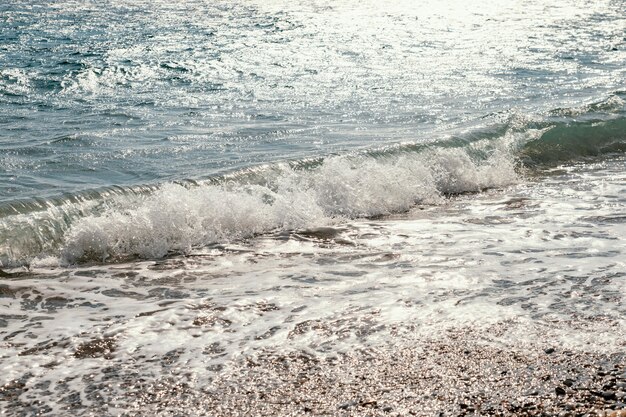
pixel 186 184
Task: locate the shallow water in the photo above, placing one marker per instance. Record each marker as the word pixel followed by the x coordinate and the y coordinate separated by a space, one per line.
pixel 536 264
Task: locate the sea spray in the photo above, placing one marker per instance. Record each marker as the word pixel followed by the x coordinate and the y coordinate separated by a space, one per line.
pixel 176 219
pixel 153 221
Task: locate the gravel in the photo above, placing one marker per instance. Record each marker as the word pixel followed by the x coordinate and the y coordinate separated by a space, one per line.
pixel 452 377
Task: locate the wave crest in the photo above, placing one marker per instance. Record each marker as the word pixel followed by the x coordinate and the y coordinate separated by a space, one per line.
pixel 152 221
pixel 177 219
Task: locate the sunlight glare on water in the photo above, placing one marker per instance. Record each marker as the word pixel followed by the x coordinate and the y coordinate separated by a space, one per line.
pixel 189 190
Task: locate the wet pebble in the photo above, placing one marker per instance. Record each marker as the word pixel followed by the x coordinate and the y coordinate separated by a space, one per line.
pixel 610 384
pixel 368 403
pixel 568 382
pixel 346 405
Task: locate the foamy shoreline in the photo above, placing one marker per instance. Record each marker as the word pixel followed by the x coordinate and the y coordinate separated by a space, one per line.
pixel 386 308
pixel 454 375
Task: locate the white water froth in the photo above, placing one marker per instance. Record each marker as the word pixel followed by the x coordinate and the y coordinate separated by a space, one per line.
pixel 177 219
pixel 539 264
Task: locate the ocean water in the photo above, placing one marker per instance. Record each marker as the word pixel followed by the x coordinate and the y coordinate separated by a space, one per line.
pixel 182 185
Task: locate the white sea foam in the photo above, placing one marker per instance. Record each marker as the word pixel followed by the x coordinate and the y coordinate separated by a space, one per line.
pixel 538 264
pixel 177 219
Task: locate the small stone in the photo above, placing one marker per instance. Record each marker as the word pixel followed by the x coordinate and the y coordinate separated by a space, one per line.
pixel 308 409
pixel 549 350
pixel 368 403
pixel 608 395
pixel 559 391
pixel 387 408
pixel 610 384
pixel 568 382
pixel 347 405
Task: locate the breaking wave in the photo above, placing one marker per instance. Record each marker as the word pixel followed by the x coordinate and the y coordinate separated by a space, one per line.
pixel 153 221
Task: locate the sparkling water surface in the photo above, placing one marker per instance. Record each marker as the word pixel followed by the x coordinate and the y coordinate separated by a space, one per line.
pixel 186 185
pixel 128 92
pixel 538 264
